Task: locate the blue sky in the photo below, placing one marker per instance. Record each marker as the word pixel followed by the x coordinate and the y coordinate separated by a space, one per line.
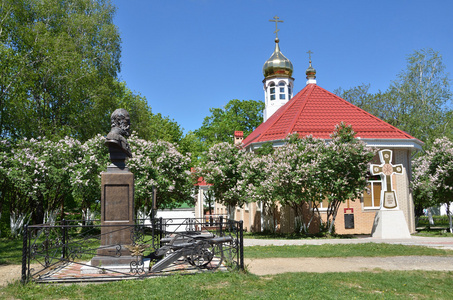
pixel 186 56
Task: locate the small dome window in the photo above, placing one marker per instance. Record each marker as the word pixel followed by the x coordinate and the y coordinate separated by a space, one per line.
pixel 272 91
pixel 281 86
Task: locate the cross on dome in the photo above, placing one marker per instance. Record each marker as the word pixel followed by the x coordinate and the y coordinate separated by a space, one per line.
pixel 309 55
pixel 276 20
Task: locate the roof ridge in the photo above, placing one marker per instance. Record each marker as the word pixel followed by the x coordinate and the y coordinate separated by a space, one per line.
pixel 296 116
pixel 270 122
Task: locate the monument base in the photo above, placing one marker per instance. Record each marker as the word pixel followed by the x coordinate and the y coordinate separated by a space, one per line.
pixel 390 224
pixel 120 268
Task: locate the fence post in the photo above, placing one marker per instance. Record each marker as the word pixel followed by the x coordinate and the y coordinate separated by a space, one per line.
pixel 241 244
pixel 63 248
pixel 221 225
pixel 24 253
pixel 160 231
pixel 153 232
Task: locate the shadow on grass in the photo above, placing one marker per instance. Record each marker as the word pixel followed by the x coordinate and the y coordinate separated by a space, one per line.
pixel 10 251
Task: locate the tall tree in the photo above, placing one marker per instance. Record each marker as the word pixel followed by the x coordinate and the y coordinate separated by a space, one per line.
pixel 59 64
pixel 419 101
pixel 148 126
pixel 219 127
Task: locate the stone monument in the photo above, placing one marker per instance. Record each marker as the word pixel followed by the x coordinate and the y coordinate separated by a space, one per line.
pixel 117 198
pixel 389 222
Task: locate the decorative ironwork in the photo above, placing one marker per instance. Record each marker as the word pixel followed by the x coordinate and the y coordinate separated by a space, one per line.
pixel 159 246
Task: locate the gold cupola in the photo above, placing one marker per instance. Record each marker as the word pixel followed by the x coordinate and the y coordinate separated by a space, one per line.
pixel 277 64
pixel 278 84
pixel 310 72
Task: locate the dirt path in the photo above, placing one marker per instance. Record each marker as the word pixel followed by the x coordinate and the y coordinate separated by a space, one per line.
pixel 270 266
pixel 9 274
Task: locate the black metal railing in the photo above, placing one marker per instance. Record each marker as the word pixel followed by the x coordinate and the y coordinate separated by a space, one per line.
pixel 72 252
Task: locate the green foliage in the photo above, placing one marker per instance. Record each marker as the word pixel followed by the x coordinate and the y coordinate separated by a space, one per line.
pixel 265 149
pixel 219 127
pixel 58 68
pixel 343 170
pixel 419 101
pixel 220 168
pixel 40 176
pixel 147 126
pixel 161 165
pixel 438 221
pixel 433 177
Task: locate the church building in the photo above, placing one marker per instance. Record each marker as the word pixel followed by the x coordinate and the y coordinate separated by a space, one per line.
pixel 316 111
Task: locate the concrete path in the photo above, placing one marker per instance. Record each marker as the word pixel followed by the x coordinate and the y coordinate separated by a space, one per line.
pixel 270 266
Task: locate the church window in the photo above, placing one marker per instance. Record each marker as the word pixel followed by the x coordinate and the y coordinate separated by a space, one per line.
pixel 323 205
pixel 282 90
pixel 272 91
pixel 372 196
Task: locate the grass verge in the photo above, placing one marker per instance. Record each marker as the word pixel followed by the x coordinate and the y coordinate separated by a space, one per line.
pixel 10 251
pixel 340 250
pixel 360 285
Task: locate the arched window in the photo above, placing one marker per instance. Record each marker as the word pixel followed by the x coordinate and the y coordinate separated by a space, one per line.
pixel 290 92
pixel 281 89
pixel 272 91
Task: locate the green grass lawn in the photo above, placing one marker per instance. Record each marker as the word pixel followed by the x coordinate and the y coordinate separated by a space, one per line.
pixel 342 250
pixel 377 284
pixel 359 285
pixel 10 251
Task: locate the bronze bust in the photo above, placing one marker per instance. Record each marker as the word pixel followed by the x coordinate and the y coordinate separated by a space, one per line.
pixel 116 138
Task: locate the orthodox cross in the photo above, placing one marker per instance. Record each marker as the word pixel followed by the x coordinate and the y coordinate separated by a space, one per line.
pixel 309 54
pixel 386 170
pixel 276 20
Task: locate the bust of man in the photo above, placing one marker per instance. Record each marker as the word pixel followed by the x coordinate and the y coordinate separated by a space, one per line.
pixel 116 138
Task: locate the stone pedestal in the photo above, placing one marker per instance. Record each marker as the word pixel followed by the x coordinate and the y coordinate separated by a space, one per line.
pixel 117 217
pixel 390 224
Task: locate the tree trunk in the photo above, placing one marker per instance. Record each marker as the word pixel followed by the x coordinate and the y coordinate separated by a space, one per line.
pixel 430 217
pixel 231 210
pixel 449 217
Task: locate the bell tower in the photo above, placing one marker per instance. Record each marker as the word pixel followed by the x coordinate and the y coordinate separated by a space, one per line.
pixel 278 84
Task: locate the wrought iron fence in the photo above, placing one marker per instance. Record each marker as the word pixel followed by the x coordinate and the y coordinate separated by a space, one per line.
pixel 73 252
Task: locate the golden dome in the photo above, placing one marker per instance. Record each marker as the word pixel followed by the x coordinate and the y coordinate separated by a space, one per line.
pixel 311 72
pixel 277 64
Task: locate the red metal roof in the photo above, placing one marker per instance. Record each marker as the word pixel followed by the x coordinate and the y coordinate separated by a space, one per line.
pixel 315 111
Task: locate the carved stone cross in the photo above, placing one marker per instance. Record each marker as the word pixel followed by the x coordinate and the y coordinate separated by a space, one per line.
pixel 386 170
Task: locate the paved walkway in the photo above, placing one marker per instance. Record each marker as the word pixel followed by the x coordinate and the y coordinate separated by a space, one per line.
pixel 272 266
pixel 436 242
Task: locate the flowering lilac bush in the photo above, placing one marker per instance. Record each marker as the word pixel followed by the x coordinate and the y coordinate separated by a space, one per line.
pixel 161 165
pixel 37 175
pixel 220 168
pixel 301 174
pixel 433 176
pixel 41 176
pixel 343 169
